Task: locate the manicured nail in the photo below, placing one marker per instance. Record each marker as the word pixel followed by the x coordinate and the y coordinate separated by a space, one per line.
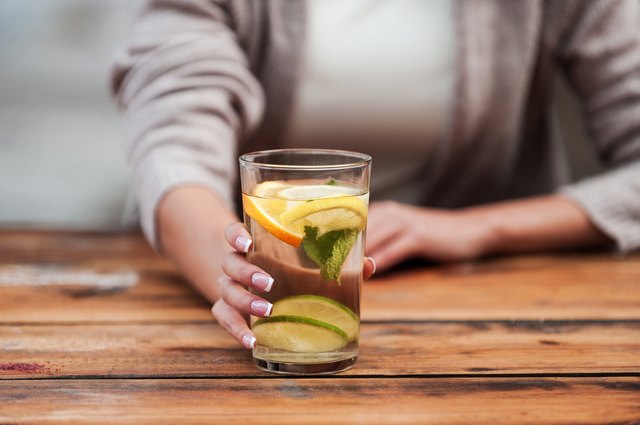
pixel 243 243
pixel 249 341
pixel 262 281
pixel 375 267
pixel 261 308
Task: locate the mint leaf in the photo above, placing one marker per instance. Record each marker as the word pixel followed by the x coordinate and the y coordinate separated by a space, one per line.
pixel 341 248
pixel 330 250
pixel 331 182
pixel 312 246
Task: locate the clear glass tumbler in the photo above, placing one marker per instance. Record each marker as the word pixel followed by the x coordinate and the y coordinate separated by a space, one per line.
pixel 306 210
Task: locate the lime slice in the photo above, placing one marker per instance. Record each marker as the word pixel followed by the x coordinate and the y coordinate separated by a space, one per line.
pixel 320 308
pixel 298 334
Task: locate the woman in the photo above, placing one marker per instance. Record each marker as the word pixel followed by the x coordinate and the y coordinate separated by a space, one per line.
pixel 450 98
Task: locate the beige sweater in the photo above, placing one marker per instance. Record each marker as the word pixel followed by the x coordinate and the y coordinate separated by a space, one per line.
pixel 203 80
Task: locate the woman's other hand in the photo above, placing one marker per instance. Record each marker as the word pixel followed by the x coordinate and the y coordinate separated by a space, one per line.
pixel 397 232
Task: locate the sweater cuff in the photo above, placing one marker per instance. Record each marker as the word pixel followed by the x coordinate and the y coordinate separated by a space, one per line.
pixel 155 178
pixel 612 202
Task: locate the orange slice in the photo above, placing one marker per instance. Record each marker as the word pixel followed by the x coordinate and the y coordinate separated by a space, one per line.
pixel 263 212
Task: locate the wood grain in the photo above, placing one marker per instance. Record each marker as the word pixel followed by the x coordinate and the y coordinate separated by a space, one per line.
pixel 159 293
pixel 321 401
pixel 156 297
pixel 525 340
pixel 560 287
pixel 205 350
pixel 62 247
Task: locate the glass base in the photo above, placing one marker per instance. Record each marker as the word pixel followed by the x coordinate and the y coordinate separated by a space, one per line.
pixel 306 369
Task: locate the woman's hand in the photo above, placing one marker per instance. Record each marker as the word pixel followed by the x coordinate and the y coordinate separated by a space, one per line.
pixel 236 302
pixel 397 232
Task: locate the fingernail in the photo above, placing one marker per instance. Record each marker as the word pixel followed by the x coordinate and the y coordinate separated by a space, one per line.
pixel 261 308
pixel 262 281
pixel 375 267
pixel 249 341
pixel 243 243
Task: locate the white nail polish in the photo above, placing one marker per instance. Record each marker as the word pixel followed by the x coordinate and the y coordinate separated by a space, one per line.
pixel 261 308
pixel 375 266
pixel 243 243
pixel 249 341
pixel 262 281
pixel 269 285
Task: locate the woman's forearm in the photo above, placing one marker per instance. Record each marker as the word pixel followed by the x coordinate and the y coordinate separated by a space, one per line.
pixel 192 221
pixel 535 224
pixel 191 224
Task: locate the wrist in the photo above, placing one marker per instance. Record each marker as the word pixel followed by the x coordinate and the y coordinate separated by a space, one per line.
pixel 191 215
pixel 484 232
pixel 191 224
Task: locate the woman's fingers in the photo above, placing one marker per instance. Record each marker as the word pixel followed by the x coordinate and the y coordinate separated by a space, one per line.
pixel 233 322
pixel 235 295
pixel 235 299
pixel 238 237
pixel 395 251
pixel 383 225
pixel 368 268
pixel 229 310
pixel 236 266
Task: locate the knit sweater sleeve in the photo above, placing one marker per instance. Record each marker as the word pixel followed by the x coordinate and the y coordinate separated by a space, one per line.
pixel 601 57
pixel 188 96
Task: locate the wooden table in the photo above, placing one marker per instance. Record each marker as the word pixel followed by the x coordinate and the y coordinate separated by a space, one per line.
pixel 95 328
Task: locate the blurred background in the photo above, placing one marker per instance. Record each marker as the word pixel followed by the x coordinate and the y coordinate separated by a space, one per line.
pixel 62 158
pixel 62 161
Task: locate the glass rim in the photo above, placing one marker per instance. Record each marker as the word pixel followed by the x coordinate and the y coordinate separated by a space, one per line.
pixel 360 159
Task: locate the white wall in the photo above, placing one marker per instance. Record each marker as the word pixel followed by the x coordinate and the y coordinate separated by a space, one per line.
pixel 61 152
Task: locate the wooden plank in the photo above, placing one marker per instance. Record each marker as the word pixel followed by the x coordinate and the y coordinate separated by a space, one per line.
pixel 151 297
pixel 62 247
pixel 561 287
pixel 590 286
pixel 329 400
pixel 68 276
pixel 199 350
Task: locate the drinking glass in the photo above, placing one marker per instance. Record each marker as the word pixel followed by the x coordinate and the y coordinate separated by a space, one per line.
pixel 306 210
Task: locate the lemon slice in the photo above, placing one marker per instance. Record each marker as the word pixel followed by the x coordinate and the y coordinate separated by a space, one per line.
pixel 280 208
pixel 320 308
pixel 326 214
pixel 263 212
pixel 298 334
pixel 309 192
pixel 269 189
